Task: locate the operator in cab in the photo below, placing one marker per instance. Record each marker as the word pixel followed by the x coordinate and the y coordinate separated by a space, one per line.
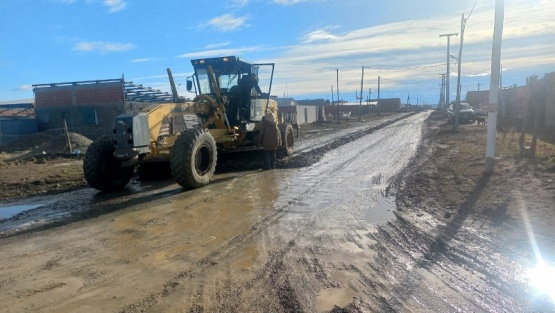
pixel 249 88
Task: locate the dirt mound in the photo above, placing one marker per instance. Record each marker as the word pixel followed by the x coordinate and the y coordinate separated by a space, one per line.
pixel 52 145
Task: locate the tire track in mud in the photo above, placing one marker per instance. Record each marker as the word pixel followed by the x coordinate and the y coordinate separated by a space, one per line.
pixel 275 266
pixel 312 156
pixel 453 259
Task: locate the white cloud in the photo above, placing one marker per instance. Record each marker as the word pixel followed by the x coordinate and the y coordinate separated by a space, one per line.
pixel 288 2
pixel 142 60
pixel 217 45
pixel 24 88
pixel 226 23
pixel 91 46
pixel 218 52
pixel 115 5
pixel 319 35
pixel 412 50
pixel 235 4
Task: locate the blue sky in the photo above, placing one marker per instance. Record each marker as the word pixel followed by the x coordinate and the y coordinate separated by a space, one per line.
pixel 46 41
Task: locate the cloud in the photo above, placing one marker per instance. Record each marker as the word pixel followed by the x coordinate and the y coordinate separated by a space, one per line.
pixel 411 50
pixel 115 5
pixel 319 35
pixel 91 46
pixel 142 60
pixel 218 52
pixel 217 45
pixel 23 88
pixel 288 2
pixel 235 4
pixel 226 23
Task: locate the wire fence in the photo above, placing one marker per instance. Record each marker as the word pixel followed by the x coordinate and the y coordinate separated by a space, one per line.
pixel 53 142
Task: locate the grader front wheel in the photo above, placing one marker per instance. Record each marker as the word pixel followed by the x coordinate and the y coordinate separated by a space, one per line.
pixel 102 170
pixel 193 158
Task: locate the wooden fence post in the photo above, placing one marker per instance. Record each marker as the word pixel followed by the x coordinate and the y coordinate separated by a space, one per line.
pixel 66 132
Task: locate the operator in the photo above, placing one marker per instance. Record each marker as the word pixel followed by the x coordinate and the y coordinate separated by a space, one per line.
pixel 248 83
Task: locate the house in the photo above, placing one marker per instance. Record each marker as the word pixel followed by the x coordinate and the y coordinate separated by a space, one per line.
pixel 515 100
pixel 310 111
pixel 301 111
pixel 16 119
pixel 389 105
pixel 478 99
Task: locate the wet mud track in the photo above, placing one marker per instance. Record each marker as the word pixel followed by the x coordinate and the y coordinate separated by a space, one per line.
pixel 315 238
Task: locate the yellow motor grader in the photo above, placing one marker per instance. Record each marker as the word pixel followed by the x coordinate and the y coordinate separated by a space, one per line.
pixel 225 116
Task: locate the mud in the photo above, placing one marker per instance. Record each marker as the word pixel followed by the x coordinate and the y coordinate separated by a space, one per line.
pixel 395 219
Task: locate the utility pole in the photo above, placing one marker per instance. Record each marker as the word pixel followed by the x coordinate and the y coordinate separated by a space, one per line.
pixel 337 75
pixel 459 62
pixel 494 84
pixel 361 89
pixel 442 93
pixel 448 65
pixel 379 88
pixel 378 107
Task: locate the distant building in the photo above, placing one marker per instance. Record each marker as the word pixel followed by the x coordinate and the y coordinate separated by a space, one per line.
pixel 389 105
pixel 16 118
pixel 17 109
pixel 478 99
pixel 515 100
pixel 89 107
pixel 310 111
pixel 301 111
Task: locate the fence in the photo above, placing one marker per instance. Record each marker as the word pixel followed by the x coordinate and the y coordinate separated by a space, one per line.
pixel 53 142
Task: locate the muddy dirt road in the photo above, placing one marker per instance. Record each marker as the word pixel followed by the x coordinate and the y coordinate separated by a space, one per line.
pixel 319 238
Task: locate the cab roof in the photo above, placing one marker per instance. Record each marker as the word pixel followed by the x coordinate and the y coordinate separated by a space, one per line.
pixel 227 64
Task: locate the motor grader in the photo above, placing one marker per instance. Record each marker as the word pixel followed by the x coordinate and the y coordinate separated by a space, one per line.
pixel 223 117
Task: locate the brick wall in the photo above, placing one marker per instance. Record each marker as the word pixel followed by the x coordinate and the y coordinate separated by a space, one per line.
pixel 79 94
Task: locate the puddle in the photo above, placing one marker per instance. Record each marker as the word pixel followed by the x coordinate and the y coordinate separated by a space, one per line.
pixel 11 211
pixel 329 298
pixel 381 211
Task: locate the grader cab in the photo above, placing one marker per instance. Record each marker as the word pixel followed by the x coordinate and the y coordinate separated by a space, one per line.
pixel 232 97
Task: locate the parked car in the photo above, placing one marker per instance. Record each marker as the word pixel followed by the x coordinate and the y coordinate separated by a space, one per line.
pixel 466 113
pixel 479 112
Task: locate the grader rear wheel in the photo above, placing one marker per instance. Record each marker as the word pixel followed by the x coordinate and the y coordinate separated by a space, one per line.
pixel 287 140
pixel 193 158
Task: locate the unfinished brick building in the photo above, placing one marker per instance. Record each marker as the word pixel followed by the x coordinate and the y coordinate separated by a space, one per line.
pixel 89 107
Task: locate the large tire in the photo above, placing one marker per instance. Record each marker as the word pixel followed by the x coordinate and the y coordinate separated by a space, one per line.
pixel 102 170
pixel 287 140
pixel 193 158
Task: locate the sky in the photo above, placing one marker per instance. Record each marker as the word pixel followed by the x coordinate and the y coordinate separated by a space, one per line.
pixel 317 45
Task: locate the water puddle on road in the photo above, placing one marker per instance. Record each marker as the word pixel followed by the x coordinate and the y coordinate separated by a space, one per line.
pixel 11 211
pixel 382 210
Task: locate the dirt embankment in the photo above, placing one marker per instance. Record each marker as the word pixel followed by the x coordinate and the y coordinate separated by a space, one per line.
pixel 478 234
